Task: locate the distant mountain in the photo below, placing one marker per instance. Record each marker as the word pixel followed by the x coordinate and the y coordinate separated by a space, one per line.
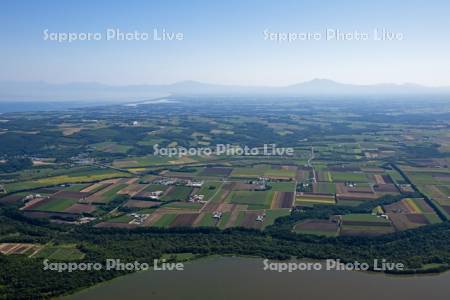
pixel 92 91
pixel 330 87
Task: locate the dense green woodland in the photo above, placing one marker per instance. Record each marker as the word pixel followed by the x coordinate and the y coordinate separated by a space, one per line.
pixel 15 164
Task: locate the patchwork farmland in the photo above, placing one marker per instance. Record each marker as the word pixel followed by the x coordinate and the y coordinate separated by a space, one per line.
pixel 148 191
pixel 225 197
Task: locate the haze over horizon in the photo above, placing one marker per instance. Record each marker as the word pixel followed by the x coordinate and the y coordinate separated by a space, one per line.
pixel 231 43
pixel 92 91
pixel 189 81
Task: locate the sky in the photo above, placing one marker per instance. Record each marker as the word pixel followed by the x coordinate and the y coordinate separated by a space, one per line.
pixel 224 42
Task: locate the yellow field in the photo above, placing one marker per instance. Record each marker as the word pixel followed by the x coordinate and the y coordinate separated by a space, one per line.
pixel 317 200
pixel 137 169
pixel 69 179
pixel 412 205
pixel 378 210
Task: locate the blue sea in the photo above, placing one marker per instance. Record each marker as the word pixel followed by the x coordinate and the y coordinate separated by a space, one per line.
pixel 19 106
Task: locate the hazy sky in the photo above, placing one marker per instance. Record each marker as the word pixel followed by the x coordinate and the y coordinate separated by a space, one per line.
pixel 225 42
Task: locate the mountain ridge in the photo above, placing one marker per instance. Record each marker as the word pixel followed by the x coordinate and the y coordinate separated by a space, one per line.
pixel 41 90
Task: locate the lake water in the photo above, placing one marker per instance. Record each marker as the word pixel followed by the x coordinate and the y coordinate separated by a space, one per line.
pixel 244 278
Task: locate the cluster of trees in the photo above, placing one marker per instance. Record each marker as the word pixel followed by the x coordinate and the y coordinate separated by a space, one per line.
pixel 15 164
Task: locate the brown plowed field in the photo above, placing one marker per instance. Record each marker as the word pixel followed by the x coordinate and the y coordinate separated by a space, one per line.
pixel 401 222
pixel 184 220
pixel 79 208
pixel 211 207
pixel 364 223
pixel 226 207
pixel 132 189
pixel 18 248
pixel 152 219
pixel 235 214
pixel 340 188
pixel 241 186
pixel 397 207
pixel 379 179
pixel 417 218
pixel 283 200
pixel 249 220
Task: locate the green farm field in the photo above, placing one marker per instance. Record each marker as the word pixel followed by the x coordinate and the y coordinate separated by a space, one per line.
pixel 177 193
pixel 209 189
pixel 349 176
pixel 255 200
pixel 165 220
pixel 56 205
